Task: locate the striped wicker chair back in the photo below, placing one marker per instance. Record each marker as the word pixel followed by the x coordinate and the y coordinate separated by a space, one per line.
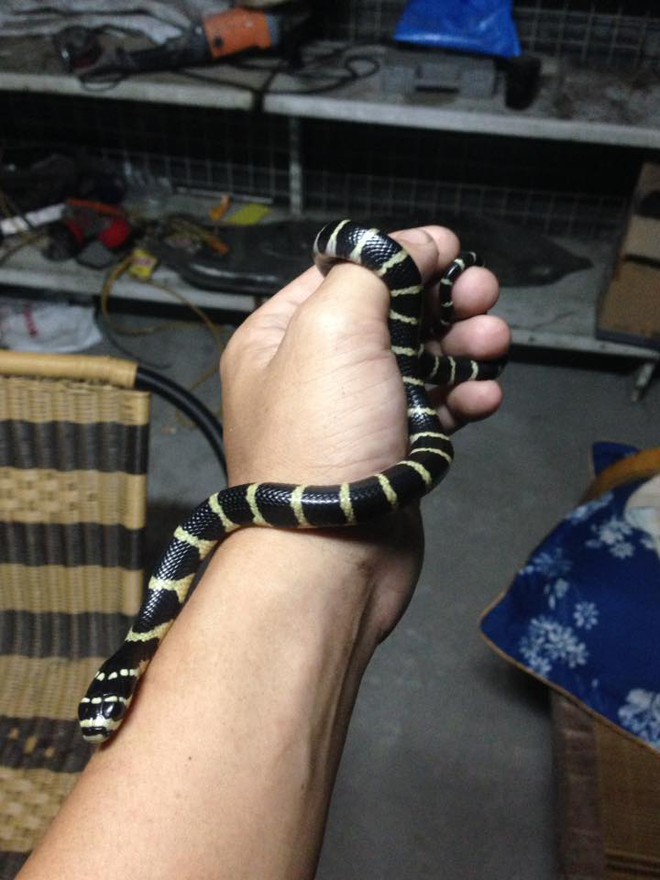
pixel 73 462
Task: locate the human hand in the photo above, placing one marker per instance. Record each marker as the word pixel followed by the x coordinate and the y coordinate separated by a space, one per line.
pixel 313 395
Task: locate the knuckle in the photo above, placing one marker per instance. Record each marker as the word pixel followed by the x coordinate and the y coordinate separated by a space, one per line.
pixel 235 350
pixel 324 320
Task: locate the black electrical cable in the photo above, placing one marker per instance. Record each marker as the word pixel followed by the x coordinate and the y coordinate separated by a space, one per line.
pixel 109 332
pixel 217 81
pixel 338 80
pixel 350 77
pixel 90 83
pixel 196 411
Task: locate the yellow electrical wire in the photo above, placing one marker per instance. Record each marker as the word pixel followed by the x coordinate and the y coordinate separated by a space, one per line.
pixel 197 233
pixel 25 236
pixel 219 339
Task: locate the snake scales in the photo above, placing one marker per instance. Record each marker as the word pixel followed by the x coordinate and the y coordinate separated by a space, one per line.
pixel 109 695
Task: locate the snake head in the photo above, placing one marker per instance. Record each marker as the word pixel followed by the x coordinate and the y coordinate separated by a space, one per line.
pixel 107 700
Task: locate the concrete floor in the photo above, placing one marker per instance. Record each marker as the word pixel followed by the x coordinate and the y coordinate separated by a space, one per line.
pixel 448 768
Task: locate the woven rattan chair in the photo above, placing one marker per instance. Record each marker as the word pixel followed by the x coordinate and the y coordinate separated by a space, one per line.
pixel 73 470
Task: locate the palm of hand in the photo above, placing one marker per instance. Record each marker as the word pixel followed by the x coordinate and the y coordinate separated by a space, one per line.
pixel 322 401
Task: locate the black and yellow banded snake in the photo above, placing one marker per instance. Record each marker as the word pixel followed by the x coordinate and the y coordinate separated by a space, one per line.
pixel 280 505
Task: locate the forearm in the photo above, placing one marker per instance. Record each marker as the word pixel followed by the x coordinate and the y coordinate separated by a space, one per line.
pixel 225 765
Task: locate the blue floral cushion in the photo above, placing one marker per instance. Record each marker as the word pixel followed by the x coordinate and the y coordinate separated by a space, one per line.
pixel 583 614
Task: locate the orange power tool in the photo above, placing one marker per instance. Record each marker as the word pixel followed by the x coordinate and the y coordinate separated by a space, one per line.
pixel 212 37
pixel 234 31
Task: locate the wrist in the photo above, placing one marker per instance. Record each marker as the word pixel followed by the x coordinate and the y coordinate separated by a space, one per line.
pixel 321 579
pixel 343 575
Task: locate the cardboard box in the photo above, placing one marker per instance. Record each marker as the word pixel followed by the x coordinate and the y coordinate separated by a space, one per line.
pixel 607 797
pixel 642 239
pixel 629 310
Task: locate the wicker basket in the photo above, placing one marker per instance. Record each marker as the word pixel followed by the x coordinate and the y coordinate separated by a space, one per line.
pixel 73 464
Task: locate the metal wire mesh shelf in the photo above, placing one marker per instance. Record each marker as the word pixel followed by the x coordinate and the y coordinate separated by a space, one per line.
pixel 225 151
pixel 611 35
pixel 608 33
pixel 577 215
pixel 332 167
pixel 555 189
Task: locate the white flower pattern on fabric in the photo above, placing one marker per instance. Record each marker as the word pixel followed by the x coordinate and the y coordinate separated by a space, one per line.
pixel 549 563
pixel 613 535
pixel 556 591
pixel 547 642
pixel 585 615
pixel 552 566
pixel 584 511
pixel 640 714
pixel 563 615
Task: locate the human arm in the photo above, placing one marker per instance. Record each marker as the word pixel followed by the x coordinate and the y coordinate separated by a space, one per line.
pixel 225 764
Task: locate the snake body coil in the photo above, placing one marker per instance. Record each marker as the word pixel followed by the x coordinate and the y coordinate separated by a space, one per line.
pixel 280 505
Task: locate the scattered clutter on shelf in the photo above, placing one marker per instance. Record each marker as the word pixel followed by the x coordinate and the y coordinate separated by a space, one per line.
pixel 219 246
pixel 43 326
pixel 158 20
pixel 73 203
pixel 276 47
